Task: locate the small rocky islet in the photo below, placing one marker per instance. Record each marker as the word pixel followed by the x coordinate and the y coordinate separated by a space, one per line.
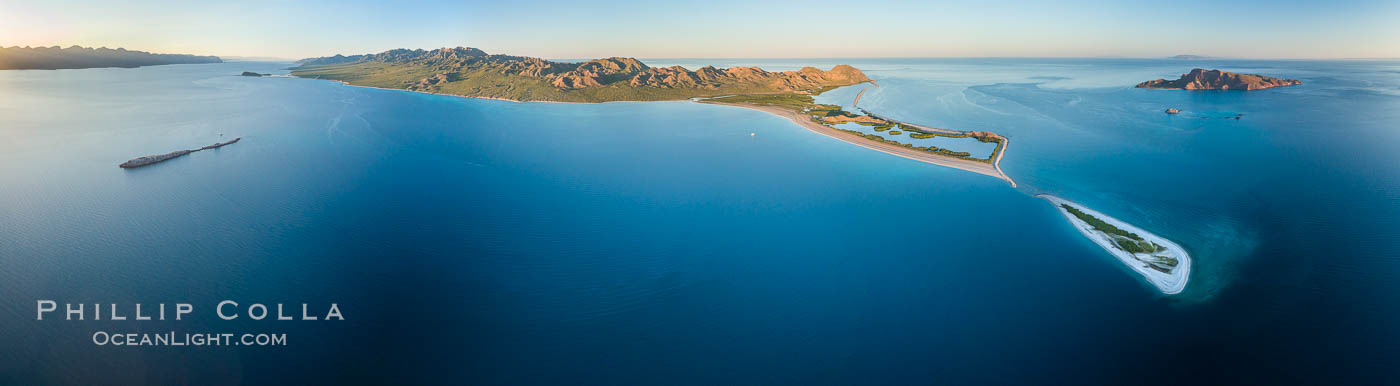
pixel 155 159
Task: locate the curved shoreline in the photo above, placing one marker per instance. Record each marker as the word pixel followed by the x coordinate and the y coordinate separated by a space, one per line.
pixel 1168 283
pixel 800 119
pixel 996 158
pixel 856 104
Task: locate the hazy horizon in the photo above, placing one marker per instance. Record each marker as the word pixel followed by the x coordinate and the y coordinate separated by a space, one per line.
pixel 1250 29
pixel 273 58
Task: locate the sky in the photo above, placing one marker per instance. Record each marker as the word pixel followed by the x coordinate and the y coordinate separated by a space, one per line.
pixel 719 28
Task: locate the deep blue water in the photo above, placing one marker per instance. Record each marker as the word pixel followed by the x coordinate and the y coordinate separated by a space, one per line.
pixel 489 242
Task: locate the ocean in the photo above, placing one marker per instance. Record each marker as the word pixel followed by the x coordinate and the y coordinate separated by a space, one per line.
pixel 492 242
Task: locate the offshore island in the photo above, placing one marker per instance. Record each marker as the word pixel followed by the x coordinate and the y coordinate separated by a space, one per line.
pixel 1161 262
pixel 158 158
pixel 470 72
pixel 1202 79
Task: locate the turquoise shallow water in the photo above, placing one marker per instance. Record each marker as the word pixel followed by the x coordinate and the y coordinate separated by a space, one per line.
pixel 627 243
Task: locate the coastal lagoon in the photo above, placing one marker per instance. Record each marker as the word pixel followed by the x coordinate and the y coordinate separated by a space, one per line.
pixel 662 243
pixel 977 149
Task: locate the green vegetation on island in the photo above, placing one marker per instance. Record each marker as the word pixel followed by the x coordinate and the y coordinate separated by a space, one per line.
pixel 1165 260
pixel 787 101
pixel 472 72
pixel 75 57
pixel 828 115
pixel 1160 261
pixel 1124 240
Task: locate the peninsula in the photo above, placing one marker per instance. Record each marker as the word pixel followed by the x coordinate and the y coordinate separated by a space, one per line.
pixel 1201 79
pixel 822 119
pixel 470 72
pixel 155 159
pixel 75 57
pixel 1161 262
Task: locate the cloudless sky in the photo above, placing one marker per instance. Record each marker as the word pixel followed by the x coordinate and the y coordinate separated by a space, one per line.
pixel 719 28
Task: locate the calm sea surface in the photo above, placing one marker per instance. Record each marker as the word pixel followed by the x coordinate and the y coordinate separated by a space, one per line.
pixel 490 242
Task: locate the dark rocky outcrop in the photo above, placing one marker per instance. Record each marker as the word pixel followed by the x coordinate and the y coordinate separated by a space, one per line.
pixel 155 159
pixel 250 73
pixel 1201 79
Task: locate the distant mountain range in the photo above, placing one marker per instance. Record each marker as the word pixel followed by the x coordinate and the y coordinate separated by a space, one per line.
pixel 472 72
pixel 1190 57
pixel 54 58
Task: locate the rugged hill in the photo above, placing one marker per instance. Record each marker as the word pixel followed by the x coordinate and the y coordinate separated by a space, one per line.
pixel 472 72
pixel 53 58
pixel 1200 79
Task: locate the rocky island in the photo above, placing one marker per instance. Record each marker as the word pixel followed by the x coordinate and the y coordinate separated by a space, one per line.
pixel 155 159
pixel 471 72
pixel 1201 79
pixel 75 57
pixel 254 74
pixel 1161 262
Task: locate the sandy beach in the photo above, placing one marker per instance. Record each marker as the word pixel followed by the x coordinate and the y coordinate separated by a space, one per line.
pixel 918 155
pixel 856 103
pixel 1169 283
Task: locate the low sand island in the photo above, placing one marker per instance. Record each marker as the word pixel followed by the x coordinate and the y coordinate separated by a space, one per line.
pixel 1162 262
pixel 1201 79
pixel 155 159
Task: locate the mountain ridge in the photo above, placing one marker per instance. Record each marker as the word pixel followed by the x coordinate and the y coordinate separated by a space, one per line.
pixel 77 57
pixel 472 72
